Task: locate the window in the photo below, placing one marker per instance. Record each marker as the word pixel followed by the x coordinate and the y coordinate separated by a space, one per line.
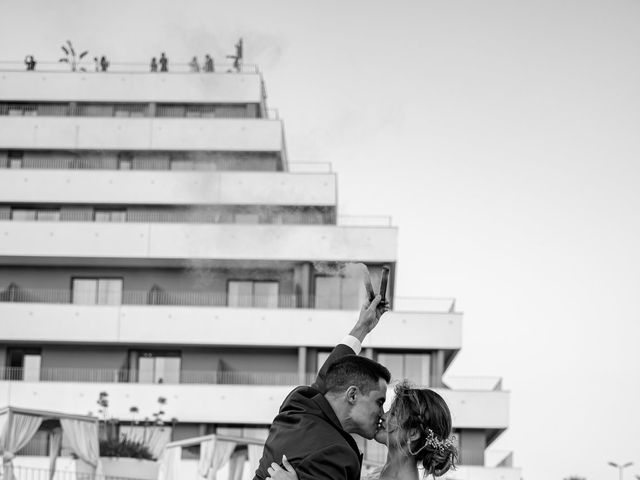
pixel 197 111
pixel 252 294
pixel 159 367
pixel 95 110
pixel 24 364
pixel 97 291
pixel 249 218
pixel 15 110
pixel 181 164
pixel 130 109
pixel 48 215
pixel 53 109
pixel 170 110
pixel 31 367
pixel 338 292
pixel 125 161
pixel 15 159
pixel 110 216
pixel 25 214
pixel 21 214
pixel 416 367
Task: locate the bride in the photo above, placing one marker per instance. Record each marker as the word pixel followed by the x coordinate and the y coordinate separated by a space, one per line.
pixel 416 430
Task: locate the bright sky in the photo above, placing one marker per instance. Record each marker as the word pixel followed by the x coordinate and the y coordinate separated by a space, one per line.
pixel 502 136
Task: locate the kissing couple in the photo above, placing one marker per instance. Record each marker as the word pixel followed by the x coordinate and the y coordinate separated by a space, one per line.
pixel 311 437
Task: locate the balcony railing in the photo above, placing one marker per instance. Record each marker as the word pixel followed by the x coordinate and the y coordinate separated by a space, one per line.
pixel 159 297
pixel 29 473
pixel 164 297
pixel 123 67
pixel 106 161
pixel 213 215
pixel 133 110
pixel 121 375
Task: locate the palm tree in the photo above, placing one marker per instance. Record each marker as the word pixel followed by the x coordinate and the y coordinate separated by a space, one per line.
pixel 71 58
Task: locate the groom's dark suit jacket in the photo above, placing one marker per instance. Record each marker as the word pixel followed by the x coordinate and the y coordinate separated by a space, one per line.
pixel 308 432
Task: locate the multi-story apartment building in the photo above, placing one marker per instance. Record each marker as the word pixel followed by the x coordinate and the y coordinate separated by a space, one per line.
pixel 156 241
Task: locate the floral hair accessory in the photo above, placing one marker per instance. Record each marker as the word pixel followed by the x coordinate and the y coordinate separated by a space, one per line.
pixel 435 443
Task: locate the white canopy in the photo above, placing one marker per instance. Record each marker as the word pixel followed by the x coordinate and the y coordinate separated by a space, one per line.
pixel 215 451
pixel 19 425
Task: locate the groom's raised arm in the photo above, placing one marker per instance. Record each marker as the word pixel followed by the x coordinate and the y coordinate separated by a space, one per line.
pixel 370 314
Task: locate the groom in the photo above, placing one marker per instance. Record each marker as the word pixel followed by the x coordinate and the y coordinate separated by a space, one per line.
pixel 314 425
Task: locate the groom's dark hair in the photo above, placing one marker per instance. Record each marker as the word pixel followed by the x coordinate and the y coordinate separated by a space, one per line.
pixel 349 370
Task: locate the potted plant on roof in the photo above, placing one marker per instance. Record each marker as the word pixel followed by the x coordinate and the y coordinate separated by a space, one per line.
pixel 128 453
pixel 72 58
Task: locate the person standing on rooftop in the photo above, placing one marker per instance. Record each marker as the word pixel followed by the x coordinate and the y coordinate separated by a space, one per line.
pixel 208 63
pixel 193 65
pixel 164 63
pixel 30 62
pixel 154 65
pixel 104 63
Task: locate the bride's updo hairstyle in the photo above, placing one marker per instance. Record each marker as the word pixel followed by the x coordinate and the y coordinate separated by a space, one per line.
pixel 424 413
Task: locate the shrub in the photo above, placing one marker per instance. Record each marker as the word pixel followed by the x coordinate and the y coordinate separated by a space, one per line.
pixel 124 447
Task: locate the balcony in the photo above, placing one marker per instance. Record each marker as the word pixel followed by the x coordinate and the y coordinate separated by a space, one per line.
pixel 207 325
pixel 186 377
pixel 154 161
pixel 185 188
pixel 133 110
pixel 247 404
pixel 225 214
pixel 175 244
pixel 246 214
pixel 157 295
pixel 166 134
pixel 131 83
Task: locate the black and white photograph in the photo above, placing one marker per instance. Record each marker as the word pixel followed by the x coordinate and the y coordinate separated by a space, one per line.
pixel 320 240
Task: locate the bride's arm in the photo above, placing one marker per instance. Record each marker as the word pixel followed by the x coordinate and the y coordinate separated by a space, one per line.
pixel 276 472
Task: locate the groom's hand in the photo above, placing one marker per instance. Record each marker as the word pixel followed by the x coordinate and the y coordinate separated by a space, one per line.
pixel 370 314
pixel 276 472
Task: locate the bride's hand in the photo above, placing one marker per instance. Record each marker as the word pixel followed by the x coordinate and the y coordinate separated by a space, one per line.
pixel 276 472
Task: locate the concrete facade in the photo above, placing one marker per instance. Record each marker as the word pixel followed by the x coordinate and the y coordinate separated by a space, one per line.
pixel 161 282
